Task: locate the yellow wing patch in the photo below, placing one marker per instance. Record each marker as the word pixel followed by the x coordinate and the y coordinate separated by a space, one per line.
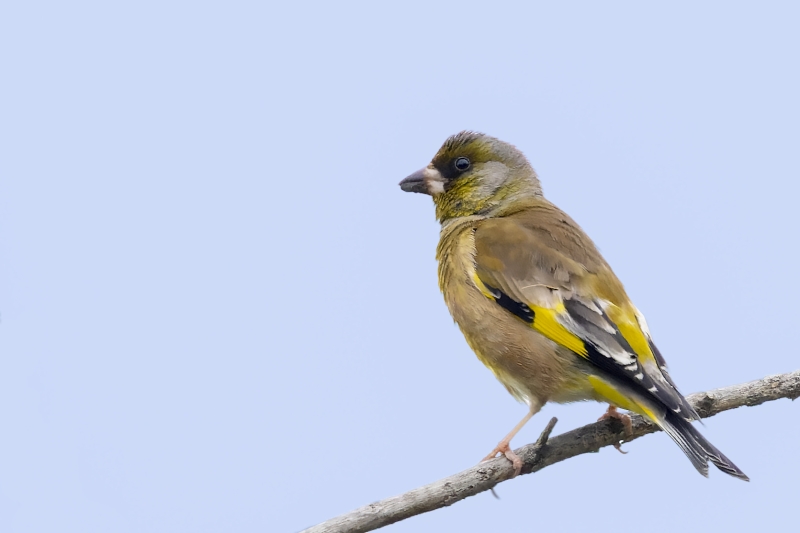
pixel 546 323
pixel 482 286
pixel 628 326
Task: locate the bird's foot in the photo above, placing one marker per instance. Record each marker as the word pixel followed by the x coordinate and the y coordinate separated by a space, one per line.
pixel 504 448
pixel 622 417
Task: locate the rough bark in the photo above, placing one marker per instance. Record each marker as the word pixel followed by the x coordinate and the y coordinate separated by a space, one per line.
pixel 547 451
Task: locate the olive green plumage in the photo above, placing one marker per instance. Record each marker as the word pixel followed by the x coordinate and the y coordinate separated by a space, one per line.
pixel 535 299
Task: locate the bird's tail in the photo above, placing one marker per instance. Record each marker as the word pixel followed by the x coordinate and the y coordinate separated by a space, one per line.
pixel 696 446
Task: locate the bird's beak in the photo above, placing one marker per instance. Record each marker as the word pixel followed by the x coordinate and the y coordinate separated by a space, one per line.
pixel 427 181
pixel 415 182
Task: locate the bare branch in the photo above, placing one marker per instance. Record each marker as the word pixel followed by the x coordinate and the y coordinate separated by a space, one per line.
pixel 545 452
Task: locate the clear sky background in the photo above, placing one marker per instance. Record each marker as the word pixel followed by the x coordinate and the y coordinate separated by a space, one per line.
pixel 220 313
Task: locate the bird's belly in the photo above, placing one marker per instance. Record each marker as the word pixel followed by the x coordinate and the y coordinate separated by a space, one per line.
pixel 529 365
pixel 532 367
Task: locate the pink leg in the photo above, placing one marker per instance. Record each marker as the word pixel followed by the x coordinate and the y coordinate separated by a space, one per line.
pixel 504 447
pixel 625 419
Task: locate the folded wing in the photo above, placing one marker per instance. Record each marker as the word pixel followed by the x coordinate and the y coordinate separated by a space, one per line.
pixel 575 300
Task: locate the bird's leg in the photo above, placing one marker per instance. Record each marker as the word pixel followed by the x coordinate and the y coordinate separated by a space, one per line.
pixel 504 445
pixel 622 417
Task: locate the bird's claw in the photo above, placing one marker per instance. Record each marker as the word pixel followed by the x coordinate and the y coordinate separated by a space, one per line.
pixel 506 450
pixel 612 413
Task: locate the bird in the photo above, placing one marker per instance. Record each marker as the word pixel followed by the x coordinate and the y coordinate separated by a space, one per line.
pixel 538 303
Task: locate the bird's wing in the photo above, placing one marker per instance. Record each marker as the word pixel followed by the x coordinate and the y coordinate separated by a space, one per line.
pixel 572 297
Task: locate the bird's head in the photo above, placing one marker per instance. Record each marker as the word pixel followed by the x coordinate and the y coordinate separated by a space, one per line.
pixel 474 174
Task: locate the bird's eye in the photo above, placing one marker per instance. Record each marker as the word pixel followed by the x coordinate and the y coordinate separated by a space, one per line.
pixel 462 164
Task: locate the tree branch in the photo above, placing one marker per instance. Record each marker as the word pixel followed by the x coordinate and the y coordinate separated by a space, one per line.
pixel 545 452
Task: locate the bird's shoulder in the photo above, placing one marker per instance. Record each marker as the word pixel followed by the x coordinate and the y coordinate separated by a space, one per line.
pixel 533 241
pixel 539 224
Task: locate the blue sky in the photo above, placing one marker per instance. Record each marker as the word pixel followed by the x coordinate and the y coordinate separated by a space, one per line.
pixel 220 313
